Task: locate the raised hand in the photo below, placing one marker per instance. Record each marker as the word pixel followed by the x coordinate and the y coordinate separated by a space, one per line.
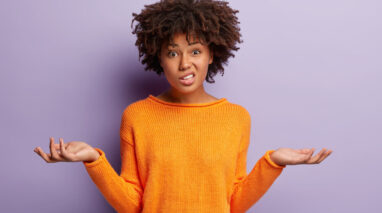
pixel 68 152
pixel 288 156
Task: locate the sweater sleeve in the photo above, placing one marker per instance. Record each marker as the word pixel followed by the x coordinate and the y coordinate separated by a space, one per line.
pixel 249 188
pixel 123 192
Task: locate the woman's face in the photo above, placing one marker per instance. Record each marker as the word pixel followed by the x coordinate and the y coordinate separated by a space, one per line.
pixel 180 59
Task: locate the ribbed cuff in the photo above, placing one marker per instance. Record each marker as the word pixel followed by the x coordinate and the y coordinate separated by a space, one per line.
pixel 96 162
pixel 268 158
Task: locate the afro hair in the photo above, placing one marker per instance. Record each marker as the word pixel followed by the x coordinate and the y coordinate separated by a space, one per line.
pixel 213 22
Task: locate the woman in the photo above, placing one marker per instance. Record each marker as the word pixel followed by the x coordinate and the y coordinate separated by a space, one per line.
pixel 183 150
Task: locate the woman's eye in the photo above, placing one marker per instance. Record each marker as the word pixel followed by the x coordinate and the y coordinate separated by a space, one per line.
pixel 196 52
pixel 172 54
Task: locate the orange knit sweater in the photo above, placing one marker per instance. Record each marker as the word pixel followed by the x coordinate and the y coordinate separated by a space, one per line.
pixel 188 158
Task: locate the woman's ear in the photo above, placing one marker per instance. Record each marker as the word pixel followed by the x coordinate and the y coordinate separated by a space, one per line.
pixel 211 57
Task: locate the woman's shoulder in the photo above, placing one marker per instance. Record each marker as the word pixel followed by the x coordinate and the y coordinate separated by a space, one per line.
pixel 237 112
pixel 135 106
pixel 132 112
pixel 238 108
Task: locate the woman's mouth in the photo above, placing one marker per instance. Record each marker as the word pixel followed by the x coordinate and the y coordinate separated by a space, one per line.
pixel 187 80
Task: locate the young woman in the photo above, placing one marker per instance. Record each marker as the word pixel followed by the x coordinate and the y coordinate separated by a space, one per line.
pixel 183 150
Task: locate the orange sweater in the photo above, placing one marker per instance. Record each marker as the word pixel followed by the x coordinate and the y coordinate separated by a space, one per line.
pixel 185 158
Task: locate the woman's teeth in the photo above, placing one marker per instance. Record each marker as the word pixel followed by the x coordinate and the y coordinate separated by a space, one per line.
pixel 188 76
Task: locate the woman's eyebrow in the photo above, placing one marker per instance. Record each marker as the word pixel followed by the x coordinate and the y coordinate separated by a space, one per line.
pixel 176 45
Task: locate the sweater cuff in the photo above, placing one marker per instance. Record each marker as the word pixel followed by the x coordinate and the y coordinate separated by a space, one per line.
pixel 268 158
pixel 96 162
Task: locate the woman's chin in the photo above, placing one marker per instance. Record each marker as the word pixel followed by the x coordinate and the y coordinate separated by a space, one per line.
pixel 186 89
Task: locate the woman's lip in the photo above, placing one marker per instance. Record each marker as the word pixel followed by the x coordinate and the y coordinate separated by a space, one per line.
pixel 189 81
pixel 187 75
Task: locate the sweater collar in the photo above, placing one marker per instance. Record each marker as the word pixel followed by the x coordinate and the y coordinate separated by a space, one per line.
pixel 157 100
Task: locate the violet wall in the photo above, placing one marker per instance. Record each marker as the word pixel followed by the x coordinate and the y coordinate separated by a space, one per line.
pixel 309 72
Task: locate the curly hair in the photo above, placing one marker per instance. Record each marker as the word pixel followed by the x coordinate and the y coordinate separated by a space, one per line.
pixel 213 22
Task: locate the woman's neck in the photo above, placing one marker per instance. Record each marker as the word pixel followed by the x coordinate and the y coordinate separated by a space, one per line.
pixel 173 96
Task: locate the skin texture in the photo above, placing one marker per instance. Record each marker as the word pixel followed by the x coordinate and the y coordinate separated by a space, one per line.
pixel 287 156
pixel 181 58
pixel 176 61
pixel 68 152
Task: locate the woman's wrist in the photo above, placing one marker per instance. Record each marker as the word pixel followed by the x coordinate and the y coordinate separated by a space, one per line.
pixel 95 156
pixel 273 159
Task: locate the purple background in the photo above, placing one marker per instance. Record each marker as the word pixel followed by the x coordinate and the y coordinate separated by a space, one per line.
pixel 309 73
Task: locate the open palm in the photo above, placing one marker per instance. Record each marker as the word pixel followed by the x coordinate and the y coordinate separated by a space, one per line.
pixel 68 152
pixel 288 156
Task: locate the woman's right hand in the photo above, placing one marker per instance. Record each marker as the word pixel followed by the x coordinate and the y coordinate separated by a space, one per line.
pixel 68 152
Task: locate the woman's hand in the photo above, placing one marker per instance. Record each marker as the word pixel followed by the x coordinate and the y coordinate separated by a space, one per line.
pixel 287 156
pixel 68 152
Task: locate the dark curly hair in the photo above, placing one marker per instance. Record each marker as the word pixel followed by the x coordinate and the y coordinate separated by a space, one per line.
pixel 212 22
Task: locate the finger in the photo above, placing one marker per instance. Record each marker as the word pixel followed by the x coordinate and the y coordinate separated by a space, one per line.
pixel 325 155
pixel 53 151
pixel 314 159
pixel 321 155
pixel 63 151
pixel 310 152
pixel 45 156
pixel 38 150
pixel 56 146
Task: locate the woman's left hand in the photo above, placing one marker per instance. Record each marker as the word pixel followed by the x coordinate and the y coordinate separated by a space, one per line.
pixel 288 156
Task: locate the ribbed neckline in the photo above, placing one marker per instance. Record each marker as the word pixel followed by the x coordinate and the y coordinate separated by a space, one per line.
pixel 155 99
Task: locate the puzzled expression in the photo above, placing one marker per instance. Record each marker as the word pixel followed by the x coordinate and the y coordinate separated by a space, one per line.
pixel 185 65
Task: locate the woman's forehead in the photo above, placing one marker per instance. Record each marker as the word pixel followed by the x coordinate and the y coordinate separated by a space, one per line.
pixel 192 39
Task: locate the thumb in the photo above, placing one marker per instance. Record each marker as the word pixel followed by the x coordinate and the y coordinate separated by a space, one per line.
pixel 310 153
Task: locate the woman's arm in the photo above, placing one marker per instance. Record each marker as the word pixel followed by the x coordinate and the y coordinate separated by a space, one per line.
pixel 248 189
pixel 123 192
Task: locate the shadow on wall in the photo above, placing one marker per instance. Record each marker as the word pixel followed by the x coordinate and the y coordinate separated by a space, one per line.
pixel 131 83
pixel 137 83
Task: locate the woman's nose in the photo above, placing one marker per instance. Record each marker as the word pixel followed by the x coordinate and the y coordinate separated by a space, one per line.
pixel 184 63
